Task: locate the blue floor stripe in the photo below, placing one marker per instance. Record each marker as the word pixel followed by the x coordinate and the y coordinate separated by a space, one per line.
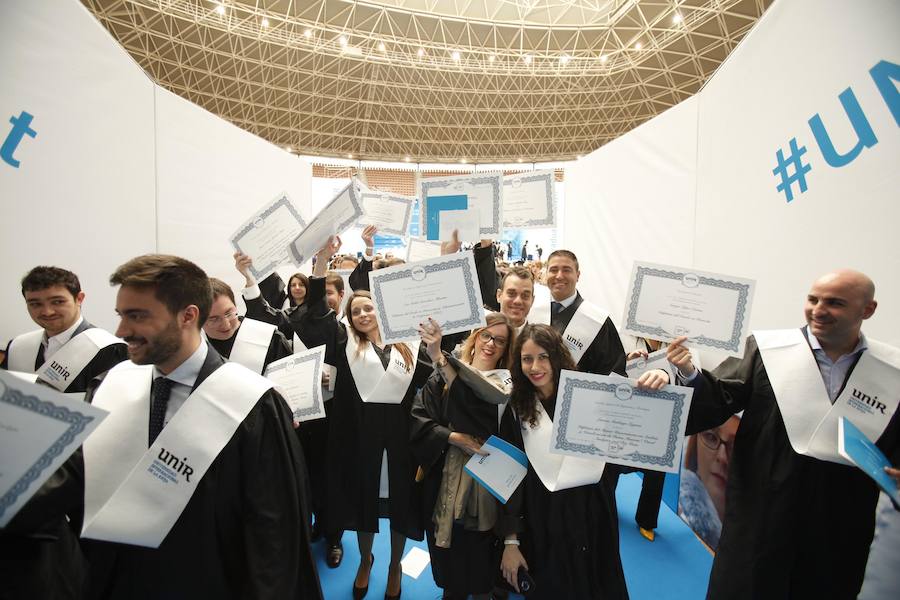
pixel 673 567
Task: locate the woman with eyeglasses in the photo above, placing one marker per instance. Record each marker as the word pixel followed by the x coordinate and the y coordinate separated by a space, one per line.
pixel 369 426
pixel 704 479
pixel 561 525
pixel 450 423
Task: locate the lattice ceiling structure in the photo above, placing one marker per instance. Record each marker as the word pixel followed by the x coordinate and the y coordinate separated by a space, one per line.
pixel 432 80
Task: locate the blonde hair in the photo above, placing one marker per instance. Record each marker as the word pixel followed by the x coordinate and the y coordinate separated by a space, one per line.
pixel 361 338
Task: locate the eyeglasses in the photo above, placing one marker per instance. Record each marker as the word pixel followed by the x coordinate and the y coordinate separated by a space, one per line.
pixel 226 317
pixel 712 441
pixel 486 337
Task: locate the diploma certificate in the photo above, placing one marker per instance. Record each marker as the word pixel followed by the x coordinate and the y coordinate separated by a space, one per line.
pixel 418 250
pixel 390 213
pixel 712 310
pixel 636 367
pixel 501 471
pixel 338 216
pixel 466 223
pixel 529 200
pixel 445 289
pixel 608 418
pixel 298 378
pixel 266 235
pixel 484 192
pixel 39 429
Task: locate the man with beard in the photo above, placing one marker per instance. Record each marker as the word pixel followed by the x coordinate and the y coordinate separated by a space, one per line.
pixel 216 507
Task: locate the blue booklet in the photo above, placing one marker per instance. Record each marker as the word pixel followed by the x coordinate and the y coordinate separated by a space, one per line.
pixel 501 471
pixel 858 449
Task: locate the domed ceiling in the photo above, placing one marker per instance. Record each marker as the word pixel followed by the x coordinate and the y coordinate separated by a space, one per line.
pixel 432 80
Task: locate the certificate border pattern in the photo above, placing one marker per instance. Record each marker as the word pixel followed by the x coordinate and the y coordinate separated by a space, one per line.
pixel 733 344
pixel 496 181
pixel 317 376
pixel 667 460
pixel 300 259
pixel 404 231
pixel 412 332
pixel 282 201
pixel 77 423
pixel 549 178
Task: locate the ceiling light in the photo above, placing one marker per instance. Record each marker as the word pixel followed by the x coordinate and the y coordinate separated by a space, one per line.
pixel 349 156
pixel 381 46
pixel 288 149
pixel 342 40
pixel 580 157
pixel 492 57
pixel 519 160
pixel 265 22
pixel 527 59
pixel 676 18
pixel 307 32
pixel 603 58
pixel 421 52
pixel 220 9
pixel 463 161
pixel 564 59
pixel 455 55
pixel 406 158
pixel 638 46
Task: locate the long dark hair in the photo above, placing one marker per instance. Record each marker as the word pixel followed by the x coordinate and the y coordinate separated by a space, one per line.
pixel 524 395
pixel 304 281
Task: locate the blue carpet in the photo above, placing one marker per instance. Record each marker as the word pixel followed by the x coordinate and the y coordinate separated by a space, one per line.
pixel 673 567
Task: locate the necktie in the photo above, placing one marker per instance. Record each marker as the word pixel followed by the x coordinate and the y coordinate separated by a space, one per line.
pixel 556 308
pixel 40 360
pixel 160 401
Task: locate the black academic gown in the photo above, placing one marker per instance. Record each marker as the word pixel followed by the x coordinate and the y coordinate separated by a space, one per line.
pixel 359 432
pixel 48 563
pixel 795 526
pixel 472 562
pixel 243 534
pixel 570 538
pixel 278 346
pixel 289 320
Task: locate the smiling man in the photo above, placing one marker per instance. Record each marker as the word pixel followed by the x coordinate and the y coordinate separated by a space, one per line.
pixel 586 329
pixel 799 520
pixel 202 451
pixel 67 352
pixel 246 341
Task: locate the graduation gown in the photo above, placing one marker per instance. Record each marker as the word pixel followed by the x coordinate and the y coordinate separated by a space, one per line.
pixel 243 534
pixel 570 538
pixel 289 320
pixel 278 347
pixel 48 562
pixel 359 432
pixel 472 562
pixel 795 526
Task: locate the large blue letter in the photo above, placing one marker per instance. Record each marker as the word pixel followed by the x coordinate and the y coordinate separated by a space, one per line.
pixel 21 128
pixel 861 126
pixel 885 74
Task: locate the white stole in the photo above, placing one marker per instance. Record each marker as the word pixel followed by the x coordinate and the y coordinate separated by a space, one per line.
pixel 23 351
pixel 869 398
pixel 252 344
pixel 557 472
pixel 375 383
pixel 299 346
pixel 584 326
pixel 134 495
pixel 64 366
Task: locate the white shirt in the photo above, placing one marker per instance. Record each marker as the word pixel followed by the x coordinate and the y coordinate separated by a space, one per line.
pixel 184 376
pixel 53 344
pixel 567 302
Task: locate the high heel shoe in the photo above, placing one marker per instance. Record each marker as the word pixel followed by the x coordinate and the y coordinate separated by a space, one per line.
pixel 360 593
pixel 399 589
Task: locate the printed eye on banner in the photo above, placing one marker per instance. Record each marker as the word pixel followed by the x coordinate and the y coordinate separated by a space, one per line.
pixel 792 169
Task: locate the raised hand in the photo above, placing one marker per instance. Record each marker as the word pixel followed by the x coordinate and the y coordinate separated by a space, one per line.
pixel 680 356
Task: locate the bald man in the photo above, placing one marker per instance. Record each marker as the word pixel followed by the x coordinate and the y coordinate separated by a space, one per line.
pixel 799 519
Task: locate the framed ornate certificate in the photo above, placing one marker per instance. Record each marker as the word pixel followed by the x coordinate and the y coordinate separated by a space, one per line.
pixel 481 191
pixel 711 309
pixel 266 236
pixel 529 200
pixel 608 418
